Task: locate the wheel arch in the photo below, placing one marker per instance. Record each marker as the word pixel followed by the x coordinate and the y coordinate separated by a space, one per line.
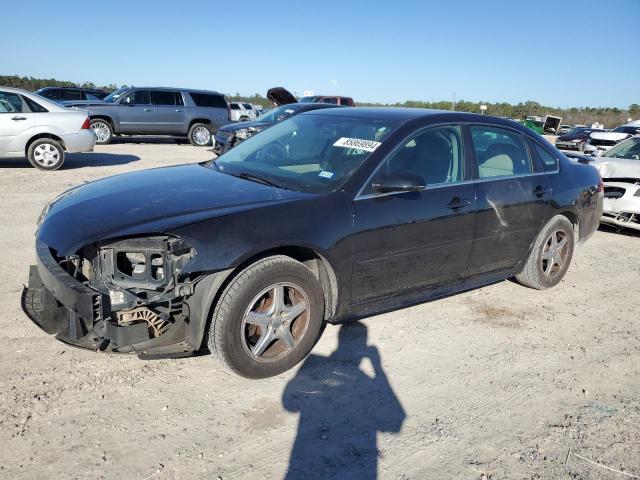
pixel 575 221
pixel 209 289
pixel 43 135
pixel 206 121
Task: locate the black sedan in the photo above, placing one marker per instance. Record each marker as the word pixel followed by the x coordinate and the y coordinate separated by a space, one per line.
pixel 575 139
pixel 328 216
pixel 230 135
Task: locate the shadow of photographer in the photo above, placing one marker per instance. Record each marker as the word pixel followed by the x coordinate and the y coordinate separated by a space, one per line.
pixel 342 408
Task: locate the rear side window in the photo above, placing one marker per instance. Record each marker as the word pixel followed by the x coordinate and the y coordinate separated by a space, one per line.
pixel 10 103
pixel 70 94
pixel 35 107
pixel 499 152
pixel 548 161
pixel 345 101
pixel 208 100
pixel 163 97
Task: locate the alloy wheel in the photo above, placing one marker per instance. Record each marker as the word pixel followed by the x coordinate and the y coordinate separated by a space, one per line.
pixel 554 253
pixel 102 132
pixel 201 135
pixel 275 322
pixel 46 155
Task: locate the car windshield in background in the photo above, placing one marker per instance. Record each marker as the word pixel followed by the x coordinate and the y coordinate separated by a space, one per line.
pixel 308 153
pixel 629 149
pixel 308 99
pixel 113 96
pixel 277 114
pixel 631 130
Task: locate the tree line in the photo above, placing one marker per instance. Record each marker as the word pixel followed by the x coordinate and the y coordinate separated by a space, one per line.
pixel 608 116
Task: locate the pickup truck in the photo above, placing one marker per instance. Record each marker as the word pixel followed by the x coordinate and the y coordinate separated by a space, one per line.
pixel 176 112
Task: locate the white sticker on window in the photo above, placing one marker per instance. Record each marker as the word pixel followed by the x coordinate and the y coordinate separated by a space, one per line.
pixel 358 143
pixel 325 174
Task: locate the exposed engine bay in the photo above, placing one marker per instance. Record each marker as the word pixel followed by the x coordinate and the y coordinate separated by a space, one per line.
pixel 621 206
pixel 141 279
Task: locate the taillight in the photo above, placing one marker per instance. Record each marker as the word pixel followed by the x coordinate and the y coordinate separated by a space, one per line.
pixel 86 125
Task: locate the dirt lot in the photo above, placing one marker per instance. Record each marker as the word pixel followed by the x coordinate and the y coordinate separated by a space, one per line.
pixel 501 382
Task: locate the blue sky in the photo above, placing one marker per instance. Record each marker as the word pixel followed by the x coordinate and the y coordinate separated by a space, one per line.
pixel 559 53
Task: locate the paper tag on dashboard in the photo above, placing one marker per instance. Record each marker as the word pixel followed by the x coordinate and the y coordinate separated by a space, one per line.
pixel 357 143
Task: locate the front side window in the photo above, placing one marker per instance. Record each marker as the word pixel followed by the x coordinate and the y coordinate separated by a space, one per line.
pixel 162 97
pixel 331 100
pixel 499 152
pixel 234 106
pixel 247 106
pixel 435 155
pixel 309 153
pixel 139 97
pixel 11 103
pixel 52 94
pixel 345 101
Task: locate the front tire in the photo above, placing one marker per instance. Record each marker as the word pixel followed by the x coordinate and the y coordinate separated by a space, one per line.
pixel 200 135
pixel 268 318
pixel 551 255
pixel 46 154
pixel 102 130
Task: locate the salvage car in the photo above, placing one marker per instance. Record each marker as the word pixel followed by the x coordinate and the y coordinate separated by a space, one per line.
pixel 230 135
pixel 242 112
pixel 620 170
pixel 600 142
pixel 61 94
pixel 328 216
pixel 41 130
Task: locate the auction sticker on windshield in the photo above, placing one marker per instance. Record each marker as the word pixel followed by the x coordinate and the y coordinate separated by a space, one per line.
pixel 359 143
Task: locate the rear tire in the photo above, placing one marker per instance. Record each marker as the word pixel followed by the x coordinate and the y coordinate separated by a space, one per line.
pixel 200 135
pixel 268 318
pixel 550 256
pixel 102 130
pixel 46 154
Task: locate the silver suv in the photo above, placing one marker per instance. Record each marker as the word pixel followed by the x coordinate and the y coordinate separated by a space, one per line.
pixel 177 112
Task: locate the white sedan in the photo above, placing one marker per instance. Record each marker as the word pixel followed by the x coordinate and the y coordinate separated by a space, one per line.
pixel 41 130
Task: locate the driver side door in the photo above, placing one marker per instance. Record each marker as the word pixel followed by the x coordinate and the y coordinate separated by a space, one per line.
pixel 412 240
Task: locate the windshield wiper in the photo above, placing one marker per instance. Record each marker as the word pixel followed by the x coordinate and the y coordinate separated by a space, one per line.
pixel 257 178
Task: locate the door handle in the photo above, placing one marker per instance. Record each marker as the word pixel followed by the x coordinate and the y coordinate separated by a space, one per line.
pixel 17 119
pixel 541 191
pixel 148 109
pixel 457 202
pixel 178 110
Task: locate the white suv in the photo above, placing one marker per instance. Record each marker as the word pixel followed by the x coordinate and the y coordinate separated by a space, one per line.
pixel 242 112
pixel 41 130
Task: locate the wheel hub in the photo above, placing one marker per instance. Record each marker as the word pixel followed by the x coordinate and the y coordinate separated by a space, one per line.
pixel 275 321
pixel 554 253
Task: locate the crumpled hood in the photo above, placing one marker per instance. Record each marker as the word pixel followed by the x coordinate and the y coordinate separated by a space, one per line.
pixel 149 201
pixel 610 167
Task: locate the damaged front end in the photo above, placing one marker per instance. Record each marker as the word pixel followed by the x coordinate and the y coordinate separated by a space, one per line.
pixel 621 206
pixel 121 296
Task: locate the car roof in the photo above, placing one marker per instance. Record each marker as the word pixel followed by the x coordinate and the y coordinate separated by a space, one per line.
pixel 194 90
pixel 402 115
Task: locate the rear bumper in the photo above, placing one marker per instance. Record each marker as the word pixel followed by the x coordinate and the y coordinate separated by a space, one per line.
pixel 81 316
pixel 83 141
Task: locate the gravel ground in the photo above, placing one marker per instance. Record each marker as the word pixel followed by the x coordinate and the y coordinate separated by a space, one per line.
pixel 501 382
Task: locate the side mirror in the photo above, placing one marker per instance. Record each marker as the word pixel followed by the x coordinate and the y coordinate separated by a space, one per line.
pixel 399 182
pixel 126 101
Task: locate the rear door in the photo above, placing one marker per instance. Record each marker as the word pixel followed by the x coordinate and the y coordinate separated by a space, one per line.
pixel 169 113
pixel 512 198
pixel 16 120
pixel 407 241
pixel 135 113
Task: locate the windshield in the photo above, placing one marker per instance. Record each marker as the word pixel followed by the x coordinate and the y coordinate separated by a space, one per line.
pixel 309 153
pixel 308 99
pixel 277 114
pixel 113 96
pixel 629 149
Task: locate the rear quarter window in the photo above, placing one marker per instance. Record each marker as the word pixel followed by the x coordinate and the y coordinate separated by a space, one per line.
pixel 208 100
pixel 548 161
